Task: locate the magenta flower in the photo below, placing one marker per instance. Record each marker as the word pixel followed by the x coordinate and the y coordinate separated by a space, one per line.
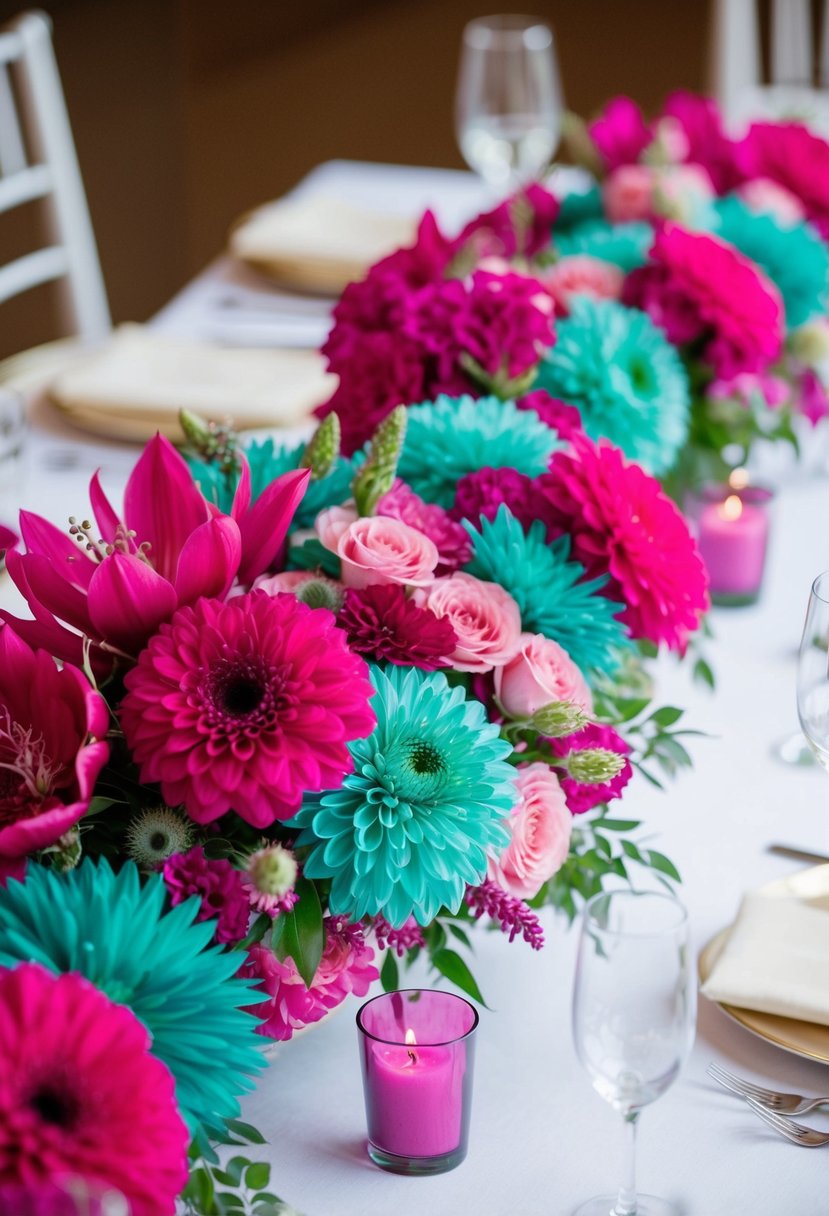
pixel 793 156
pixel 512 914
pixel 8 539
pixel 520 226
pixel 170 548
pixel 82 1096
pixel 245 706
pixel 218 885
pixel 449 537
pixel 483 491
pixel 581 797
pixel 560 417
pixel 408 937
pixel 708 145
pixel 620 133
pixel 346 966
pixel 381 622
pixel 52 727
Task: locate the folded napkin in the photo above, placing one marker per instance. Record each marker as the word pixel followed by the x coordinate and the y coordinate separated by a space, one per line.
pixel 776 957
pixel 318 243
pixel 140 380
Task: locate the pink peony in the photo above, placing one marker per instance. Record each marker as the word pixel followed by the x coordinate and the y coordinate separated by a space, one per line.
pixel 219 886
pixel 346 966
pixel 764 195
pixel 52 731
pixel 377 549
pixel 540 825
pixel 81 1096
pixel 737 310
pixel 622 524
pixel 583 275
pixel 245 706
pixel 582 797
pixel 540 673
pixel 620 133
pixel 450 539
pixel 795 158
pixel 485 618
pixel 384 624
pixel 628 193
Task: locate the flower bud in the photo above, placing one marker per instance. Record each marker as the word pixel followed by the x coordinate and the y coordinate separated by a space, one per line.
pixel 322 449
pixel 592 765
pixel 559 718
pixel 273 870
pixel 376 476
pixel 810 343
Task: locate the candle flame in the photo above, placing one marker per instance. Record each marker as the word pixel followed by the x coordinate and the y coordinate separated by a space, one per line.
pixel 410 1042
pixel 732 508
pixel 739 479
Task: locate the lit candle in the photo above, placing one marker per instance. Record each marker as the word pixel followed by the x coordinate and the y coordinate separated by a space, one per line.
pixel 732 536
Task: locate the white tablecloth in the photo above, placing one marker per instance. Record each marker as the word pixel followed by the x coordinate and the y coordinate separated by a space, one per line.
pixel 541 1139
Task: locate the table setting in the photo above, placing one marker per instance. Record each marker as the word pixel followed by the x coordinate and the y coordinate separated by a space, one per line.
pixel 414 691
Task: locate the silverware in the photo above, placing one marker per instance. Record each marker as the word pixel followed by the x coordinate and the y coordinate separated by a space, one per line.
pixel 771 1099
pixel 787 850
pixel 807 1137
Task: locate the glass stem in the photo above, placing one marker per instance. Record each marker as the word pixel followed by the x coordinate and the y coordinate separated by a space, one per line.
pixel 626 1201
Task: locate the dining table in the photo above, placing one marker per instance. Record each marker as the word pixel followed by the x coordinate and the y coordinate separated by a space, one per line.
pixel 542 1140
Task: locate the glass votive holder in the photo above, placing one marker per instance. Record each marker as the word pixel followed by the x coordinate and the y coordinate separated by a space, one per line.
pixel 731 524
pixel 417 1055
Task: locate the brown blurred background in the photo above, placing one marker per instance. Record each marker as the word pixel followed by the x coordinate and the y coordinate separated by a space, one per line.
pixel 188 112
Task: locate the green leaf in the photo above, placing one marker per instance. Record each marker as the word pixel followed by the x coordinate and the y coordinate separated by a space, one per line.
pixel 451 965
pixel 251 1134
pixel 630 850
pixel 617 825
pixel 303 936
pixel 235 1167
pixel 629 708
pixel 663 864
pixel 460 934
pixel 667 716
pixel 256 932
pixel 257 1175
pixel 703 674
pixel 390 973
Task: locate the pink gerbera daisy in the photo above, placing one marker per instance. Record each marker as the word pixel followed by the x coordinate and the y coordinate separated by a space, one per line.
pixel 81 1095
pixel 245 706
pixel 622 524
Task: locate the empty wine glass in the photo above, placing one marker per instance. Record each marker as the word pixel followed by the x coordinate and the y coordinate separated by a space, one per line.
pixel 813 671
pixel 634 1007
pixel 508 102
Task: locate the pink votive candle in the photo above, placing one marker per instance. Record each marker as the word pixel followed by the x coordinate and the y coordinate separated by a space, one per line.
pixel 732 535
pixel 417 1055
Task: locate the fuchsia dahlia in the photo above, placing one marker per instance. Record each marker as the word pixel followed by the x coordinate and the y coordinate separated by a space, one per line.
pixel 219 886
pixel 622 524
pixel 81 1095
pixel 245 706
pixel 383 623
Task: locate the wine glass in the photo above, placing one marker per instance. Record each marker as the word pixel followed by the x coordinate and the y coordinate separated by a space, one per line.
pixel 508 102
pixel 813 671
pixel 634 1006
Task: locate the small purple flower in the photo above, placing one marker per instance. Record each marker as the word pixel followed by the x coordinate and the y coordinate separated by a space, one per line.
pixel 513 915
pixel 407 937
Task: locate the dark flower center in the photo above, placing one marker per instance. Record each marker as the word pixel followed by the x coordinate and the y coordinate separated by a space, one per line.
pixel 54 1105
pixel 426 760
pixel 158 841
pixel 240 696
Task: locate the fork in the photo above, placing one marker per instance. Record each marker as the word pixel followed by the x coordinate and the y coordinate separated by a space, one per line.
pixel 807 1137
pixel 771 1099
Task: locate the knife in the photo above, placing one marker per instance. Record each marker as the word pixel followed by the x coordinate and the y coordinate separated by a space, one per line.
pixel 786 850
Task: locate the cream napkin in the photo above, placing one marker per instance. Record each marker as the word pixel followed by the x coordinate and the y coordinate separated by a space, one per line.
pixel 318 243
pixel 776 958
pixel 138 383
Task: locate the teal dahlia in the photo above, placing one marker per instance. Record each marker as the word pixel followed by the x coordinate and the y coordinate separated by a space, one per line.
pixel 793 256
pixel 453 436
pixel 115 931
pixel 550 590
pixel 625 378
pixel 411 826
pixel 625 245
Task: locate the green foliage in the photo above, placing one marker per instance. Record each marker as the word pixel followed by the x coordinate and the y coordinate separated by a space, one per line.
pixel 236 1187
pixel 302 936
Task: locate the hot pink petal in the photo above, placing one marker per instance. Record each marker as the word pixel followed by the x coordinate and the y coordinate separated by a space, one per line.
pixel 241 499
pixel 54 593
pixel 162 504
pixel 8 539
pixel 209 560
pixel 66 555
pixel 128 600
pixel 105 514
pixel 265 526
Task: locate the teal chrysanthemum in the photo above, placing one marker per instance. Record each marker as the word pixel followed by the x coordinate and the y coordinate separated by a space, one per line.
pixel 115 931
pixel 579 206
pixel 794 257
pixel 625 245
pixel 267 461
pixel 549 589
pixel 453 436
pixel 625 378
pixel 411 826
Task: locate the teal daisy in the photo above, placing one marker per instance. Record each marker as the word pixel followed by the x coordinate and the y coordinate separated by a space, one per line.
pixel 625 378
pixel 793 256
pixel 267 461
pixel 411 826
pixel 549 589
pixel 579 206
pixel 625 245
pixel 453 436
pixel 115 931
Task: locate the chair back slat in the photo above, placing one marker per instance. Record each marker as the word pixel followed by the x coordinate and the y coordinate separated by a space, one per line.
pixel 25 186
pixel 42 266
pixel 12 148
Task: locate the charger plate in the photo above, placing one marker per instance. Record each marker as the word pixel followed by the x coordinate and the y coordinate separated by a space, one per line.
pixel 806 1039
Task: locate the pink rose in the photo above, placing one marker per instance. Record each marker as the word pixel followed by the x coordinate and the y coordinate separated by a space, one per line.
pixel 584 275
pixel 540 825
pixel 377 549
pixel 485 618
pixel 762 194
pixel 628 193
pixel 541 672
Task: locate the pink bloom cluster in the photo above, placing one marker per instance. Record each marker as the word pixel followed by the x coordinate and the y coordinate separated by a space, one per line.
pixel 217 883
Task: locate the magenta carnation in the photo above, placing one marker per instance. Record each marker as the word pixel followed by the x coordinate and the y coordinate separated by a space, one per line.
pixel 696 286
pixel 448 537
pixel 707 144
pixel 581 797
pixel 219 886
pixel 382 622
pixel 620 133
pixel 520 226
pixel 622 524
pixel 793 156
pixel 245 706
pixel 483 491
pixel 52 730
pixel 346 966
pixel 81 1095
pixel 560 417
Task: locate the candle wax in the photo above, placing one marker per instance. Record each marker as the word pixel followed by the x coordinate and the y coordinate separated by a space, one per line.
pixel 415 1099
pixel 734 550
